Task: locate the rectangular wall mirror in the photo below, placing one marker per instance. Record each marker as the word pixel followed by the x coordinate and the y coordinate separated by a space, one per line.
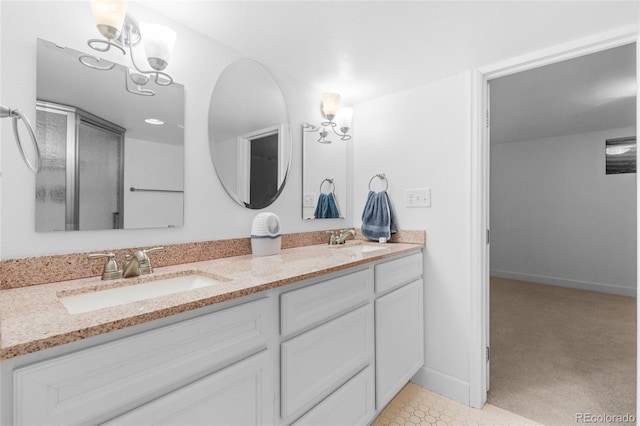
pixel 324 175
pixel 107 162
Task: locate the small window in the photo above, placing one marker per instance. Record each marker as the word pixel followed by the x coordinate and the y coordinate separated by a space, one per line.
pixel 621 155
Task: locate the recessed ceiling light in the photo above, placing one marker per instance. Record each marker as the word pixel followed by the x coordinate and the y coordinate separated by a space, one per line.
pixel 154 121
pixel 619 149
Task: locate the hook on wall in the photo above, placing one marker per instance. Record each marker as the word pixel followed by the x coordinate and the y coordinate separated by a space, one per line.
pixel 16 114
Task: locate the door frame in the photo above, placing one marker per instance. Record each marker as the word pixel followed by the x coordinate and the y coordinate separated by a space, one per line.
pixel 479 184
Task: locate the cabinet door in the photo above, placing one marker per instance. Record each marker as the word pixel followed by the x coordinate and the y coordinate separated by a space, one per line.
pixel 399 340
pixel 241 394
pixel 319 361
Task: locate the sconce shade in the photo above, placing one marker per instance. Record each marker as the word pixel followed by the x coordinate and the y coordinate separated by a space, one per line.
pixel 330 104
pixel 158 43
pixel 344 117
pixel 109 16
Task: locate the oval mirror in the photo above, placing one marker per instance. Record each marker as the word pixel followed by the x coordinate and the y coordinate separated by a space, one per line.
pixel 249 134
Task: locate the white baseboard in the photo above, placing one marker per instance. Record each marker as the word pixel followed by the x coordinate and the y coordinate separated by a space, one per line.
pixel 448 386
pixel 565 282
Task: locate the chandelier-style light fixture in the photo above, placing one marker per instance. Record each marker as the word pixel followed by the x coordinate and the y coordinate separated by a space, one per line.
pixel 335 117
pixel 122 31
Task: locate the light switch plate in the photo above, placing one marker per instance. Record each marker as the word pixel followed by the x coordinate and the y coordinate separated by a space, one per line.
pixel 308 199
pixel 419 197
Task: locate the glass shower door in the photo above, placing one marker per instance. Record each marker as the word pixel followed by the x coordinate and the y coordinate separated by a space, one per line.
pixel 80 186
pixel 55 129
pixel 99 177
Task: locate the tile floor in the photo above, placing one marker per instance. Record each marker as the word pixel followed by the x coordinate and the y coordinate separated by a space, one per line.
pixel 415 405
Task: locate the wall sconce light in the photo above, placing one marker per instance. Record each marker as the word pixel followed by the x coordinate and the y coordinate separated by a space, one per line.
pixel 121 31
pixel 335 117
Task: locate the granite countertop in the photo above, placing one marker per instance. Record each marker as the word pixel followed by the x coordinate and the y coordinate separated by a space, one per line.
pixel 33 318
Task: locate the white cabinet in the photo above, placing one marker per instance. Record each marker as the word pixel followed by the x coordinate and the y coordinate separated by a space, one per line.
pixel 317 362
pixel 335 344
pixel 96 384
pixel 236 395
pixel 399 326
pixel 399 340
pixel 346 345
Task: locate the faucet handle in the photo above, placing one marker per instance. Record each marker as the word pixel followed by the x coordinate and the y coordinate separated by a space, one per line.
pixel 110 271
pixel 333 237
pixel 151 250
pixel 145 264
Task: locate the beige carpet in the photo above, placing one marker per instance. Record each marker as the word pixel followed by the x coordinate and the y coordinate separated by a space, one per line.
pixel 556 352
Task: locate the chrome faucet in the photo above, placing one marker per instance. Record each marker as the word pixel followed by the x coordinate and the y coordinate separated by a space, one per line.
pixel 339 237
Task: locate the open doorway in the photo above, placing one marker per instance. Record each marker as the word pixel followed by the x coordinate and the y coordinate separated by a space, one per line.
pixel 563 239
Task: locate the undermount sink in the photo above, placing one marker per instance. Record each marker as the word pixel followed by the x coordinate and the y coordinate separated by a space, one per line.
pixel 87 302
pixel 361 248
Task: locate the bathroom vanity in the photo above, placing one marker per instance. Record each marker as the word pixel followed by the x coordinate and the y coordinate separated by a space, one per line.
pixel 315 335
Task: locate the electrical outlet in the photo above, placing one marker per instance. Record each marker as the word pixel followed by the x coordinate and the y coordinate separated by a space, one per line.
pixel 308 199
pixel 420 197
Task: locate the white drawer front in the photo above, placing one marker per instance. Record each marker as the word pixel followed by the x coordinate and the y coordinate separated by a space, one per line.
pixel 395 273
pixel 352 404
pixel 317 362
pixel 241 394
pixel 317 303
pixel 92 385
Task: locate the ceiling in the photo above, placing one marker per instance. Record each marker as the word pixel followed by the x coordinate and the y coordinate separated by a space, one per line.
pixel 62 79
pixel 586 94
pixel 368 49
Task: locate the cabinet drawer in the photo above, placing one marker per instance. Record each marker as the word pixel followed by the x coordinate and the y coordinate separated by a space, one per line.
pixel 319 361
pixel 395 273
pixel 352 404
pixel 241 394
pixel 312 305
pixel 93 385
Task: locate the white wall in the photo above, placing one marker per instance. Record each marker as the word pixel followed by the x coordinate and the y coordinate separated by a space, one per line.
pixel 557 218
pixel 165 171
pixel 419 138
pixel 196 62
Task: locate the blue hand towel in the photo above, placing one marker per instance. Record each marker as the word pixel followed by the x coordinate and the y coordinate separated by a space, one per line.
pixel 326 207
pixel 378 219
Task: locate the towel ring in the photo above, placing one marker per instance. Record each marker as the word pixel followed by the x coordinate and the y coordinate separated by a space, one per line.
pixel 380 176
pixel 333 185
pixel 16 114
